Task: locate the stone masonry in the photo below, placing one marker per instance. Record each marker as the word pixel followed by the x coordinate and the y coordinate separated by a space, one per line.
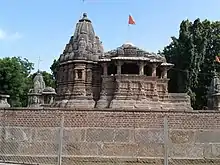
pixel 31 135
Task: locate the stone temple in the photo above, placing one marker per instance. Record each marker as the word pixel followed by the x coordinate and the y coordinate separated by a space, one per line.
pixel 124 78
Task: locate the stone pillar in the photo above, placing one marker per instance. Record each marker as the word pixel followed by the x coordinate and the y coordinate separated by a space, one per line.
pixel 141 68
pixel 76 74
pixel 119 64
pixel 154 70
pixel 164 73
pixel 105 69
pixel 83 74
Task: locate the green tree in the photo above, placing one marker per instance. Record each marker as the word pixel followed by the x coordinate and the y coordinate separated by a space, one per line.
pixel 14 79
pixel 193 54
pixel 53 68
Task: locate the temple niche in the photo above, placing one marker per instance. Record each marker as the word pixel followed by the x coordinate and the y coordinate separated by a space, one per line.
pixel 40 95
pixel 126 77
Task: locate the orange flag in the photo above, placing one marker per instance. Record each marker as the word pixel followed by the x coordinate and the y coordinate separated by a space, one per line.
pixel 131 20
pixel 217 59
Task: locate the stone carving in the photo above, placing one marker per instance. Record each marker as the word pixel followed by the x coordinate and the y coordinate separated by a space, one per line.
pixel 82 45
pixel 4 101
pixel 70 49
pixel 89 46
pixel 39 95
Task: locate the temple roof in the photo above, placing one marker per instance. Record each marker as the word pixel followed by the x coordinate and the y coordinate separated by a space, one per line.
pixel 84 44
pixel 129 51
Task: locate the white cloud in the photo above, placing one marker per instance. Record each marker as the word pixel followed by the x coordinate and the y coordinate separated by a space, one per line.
pixel 9 36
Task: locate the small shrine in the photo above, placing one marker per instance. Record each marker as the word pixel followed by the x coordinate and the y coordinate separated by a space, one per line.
pixel 40 95
pixel 214 93
pixel 4 100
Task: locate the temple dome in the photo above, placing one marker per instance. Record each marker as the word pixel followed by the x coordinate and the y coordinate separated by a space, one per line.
pixel 128 44
pixel 84 44
pixel 129 51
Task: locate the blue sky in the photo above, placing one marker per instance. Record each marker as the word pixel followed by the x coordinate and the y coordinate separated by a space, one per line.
pixel 33 28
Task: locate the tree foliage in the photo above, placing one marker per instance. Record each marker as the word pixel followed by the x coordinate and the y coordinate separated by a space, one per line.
pixel 14 79
pixel 193 54
pixel 53 68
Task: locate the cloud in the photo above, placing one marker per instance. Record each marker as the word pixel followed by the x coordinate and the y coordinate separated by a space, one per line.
pixel 9 36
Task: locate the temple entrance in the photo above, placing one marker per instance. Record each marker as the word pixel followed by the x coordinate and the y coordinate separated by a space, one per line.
pixel 130 68
pixel 147 71
pixel 159 72
pixel 112 69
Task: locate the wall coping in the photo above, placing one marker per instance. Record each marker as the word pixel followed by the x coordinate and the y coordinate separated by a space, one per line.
pixel 107 110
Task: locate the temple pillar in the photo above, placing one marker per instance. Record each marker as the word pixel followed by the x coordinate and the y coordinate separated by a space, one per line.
pixel 76 74
pixel 154 70
pixel 105 69
pixel 164 73
pixel 83 74
pixel 141 68
pixel 119 64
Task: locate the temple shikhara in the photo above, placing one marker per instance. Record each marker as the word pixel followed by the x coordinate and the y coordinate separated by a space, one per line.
pixel 126 77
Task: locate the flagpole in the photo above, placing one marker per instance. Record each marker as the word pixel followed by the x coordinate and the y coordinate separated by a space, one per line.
pixel 128 30
pixel 130 22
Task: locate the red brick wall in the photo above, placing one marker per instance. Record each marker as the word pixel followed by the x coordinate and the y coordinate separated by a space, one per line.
pixel 115 118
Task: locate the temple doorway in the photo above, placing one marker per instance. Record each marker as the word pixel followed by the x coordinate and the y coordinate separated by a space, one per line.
pixel 130 68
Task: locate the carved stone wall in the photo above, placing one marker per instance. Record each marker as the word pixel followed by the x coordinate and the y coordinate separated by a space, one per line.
pixel 31 135
pixel 139 92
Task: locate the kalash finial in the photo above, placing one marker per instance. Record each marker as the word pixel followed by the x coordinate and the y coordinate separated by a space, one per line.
pixel 84 18
pixel 84 15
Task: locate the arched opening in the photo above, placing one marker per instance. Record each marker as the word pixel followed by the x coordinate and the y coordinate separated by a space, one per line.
pixel 112 69
pixel 147 71
pixel 130 68
pixel 159 73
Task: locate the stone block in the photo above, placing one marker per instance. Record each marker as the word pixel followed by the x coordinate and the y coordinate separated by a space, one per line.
pixel 187 150
pixel 9 148
pixel 181 136
pixel 150 150
pixel 99 135
pixel 38 148
pixel 17 134
pixel 121 135
pixel 149 136
pixel 212 136
pixel 83 148
pixel 118 149
pixel 212 151
pixel 73 135
pixel 46 134
pixel 71 149
pixel 89 149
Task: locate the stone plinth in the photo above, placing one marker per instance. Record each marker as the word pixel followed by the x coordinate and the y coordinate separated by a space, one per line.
pixel 4 101
pixel 216 101
pixel 107 92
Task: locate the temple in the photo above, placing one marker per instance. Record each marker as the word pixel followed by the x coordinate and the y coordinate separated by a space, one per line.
pixel 40 95
pixel 124 78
